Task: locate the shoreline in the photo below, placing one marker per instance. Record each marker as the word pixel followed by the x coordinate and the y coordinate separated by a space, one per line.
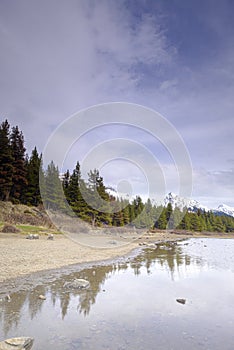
pixel 22 258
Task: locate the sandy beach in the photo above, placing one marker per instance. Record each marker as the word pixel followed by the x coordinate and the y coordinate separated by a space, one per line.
pixel 20 256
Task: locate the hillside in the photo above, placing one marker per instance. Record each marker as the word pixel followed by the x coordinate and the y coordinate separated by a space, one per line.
pixel 23 214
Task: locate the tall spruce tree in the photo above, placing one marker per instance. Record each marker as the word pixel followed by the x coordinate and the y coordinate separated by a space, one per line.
pixel 19 181
pixel 32 194
pixel 6 159
pixel 74 186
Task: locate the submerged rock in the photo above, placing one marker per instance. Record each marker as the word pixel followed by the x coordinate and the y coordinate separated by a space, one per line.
pixel 77 284
pixel 22 343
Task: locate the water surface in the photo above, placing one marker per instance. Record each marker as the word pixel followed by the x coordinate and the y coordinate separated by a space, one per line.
pixel 131 303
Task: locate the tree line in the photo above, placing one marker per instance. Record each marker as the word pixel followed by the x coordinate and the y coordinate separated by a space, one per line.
pixel 23 180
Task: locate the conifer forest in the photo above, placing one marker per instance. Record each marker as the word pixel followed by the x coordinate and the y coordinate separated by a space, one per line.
pixel 23 179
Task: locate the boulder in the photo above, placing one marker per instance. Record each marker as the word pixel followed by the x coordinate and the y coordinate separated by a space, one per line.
pixel 181 301
pixel 78 283
pixel 22 343
pixel 32 236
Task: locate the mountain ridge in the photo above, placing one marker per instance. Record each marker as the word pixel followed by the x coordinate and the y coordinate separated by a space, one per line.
pixel 193 205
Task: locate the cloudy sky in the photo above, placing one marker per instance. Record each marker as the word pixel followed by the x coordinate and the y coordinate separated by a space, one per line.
pixel 175 57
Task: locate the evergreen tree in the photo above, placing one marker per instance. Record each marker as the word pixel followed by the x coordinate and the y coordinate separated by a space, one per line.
pixel 138 206
pixel 32 194
pixel 53 188
pixel 98 200
pixel 169 216
pixel 117 216
pixel 125 211
pixel 218 224
pixel 196 224
pixel 74 188
pixel 176 218
pixel 185 223
pixel 65 182
pixel 71 186
pixel 6 159
pixel 161 222
pixel 19 181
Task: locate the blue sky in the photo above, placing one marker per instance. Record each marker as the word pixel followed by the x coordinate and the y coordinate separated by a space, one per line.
pixel 176 57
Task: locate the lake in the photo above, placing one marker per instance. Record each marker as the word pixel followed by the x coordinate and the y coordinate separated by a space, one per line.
pixel 131 302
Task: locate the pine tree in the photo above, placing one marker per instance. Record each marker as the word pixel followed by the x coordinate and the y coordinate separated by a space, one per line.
pixel 32 194
pixel 218 224
pixel 131 213
pixel 185 223
pixel 161 222
pixel 53 199
pixel 169 216
pixel 6 159
pixel 72 186
pixel 117 216
pixel 19 181
pixel 176 217
pixel 74 189
pixel 65 183
pixel 98 208
pixel 196 224
pixel 125 211
pixel 138 206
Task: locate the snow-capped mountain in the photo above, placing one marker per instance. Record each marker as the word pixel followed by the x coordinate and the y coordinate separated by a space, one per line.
pixel 193 205
pixel 224 209
pixel 181 202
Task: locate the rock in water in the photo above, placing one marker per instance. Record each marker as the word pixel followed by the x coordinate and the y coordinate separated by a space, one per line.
pixel 181 301
pixel 77 284
pixel 42 297
pixel 22 343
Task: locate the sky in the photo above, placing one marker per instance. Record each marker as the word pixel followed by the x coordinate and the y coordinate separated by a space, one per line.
pixel 173 57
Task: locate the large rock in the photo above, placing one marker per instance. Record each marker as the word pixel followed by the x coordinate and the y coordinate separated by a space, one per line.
pixel 78 283
pixel 22 343
pixel 181 301
pixel 33 236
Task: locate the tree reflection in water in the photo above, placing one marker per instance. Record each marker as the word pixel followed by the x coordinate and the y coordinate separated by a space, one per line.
pixel 168 255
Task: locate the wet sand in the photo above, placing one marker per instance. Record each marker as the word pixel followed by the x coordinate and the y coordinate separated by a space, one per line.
pixel 20 256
